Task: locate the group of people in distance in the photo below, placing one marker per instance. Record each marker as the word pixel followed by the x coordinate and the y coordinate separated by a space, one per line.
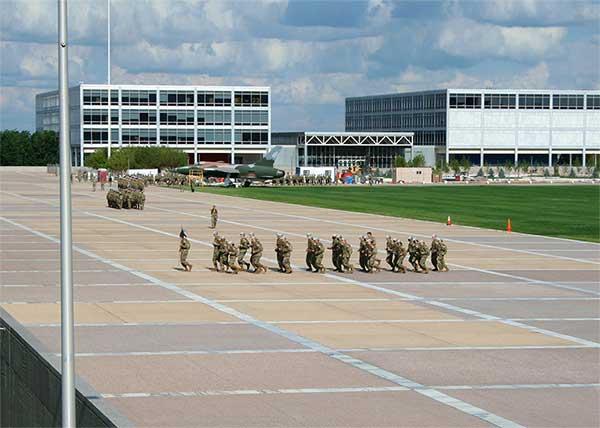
pixel 229 257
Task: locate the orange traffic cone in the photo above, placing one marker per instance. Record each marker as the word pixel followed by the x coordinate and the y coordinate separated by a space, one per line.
pixel 508 226
pixel 449 222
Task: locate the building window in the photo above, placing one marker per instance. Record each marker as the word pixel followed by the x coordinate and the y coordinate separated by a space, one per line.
pixel 567 102
pixel 138 117
pixel 177 117
pixel 95 117
pixel 114 97
pixel 534 101
pixel 252 99
pixel 176 98
pixel 593 102
pixel 138 98
pixel 214 136
pixel 249 117
pixel 214 99
pixel 440 101
pixel 500 101
pixel 214 117
pixel 176 136
pixel 99 136
pixel 470 101
pixel 95 97
pixel 251 137
pixel 139 136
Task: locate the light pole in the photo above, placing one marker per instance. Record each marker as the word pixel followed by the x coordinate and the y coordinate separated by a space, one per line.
pixel 66 245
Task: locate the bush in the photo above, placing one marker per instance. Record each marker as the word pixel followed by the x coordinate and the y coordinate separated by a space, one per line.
pixel 21 148
pixel 98 159
pixel 491 173
pixel 556 171
pixel 400 162
pixel 418 161
pixel 501 173
pixel 595 173
pixel 546 172
pixel 137 158
pixel 480 172
pixel 572 174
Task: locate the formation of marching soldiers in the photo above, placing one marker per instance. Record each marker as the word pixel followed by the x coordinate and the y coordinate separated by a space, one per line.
pixel 130 194
pixel 303 180
pixel 229 257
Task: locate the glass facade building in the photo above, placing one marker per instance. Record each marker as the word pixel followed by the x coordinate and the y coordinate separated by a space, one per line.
pixel 208 122
pixel 487 125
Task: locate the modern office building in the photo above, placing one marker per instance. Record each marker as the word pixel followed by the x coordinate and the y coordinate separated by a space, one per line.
pixel 229 123
pixel 342 149
pixel 541 127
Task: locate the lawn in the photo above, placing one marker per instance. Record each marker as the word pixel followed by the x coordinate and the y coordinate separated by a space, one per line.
pixel 561 211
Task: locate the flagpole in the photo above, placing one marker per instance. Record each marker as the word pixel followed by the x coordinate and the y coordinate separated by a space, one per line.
pixel 66 262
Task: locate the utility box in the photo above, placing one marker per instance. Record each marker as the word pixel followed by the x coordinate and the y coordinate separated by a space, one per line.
pixel 421 175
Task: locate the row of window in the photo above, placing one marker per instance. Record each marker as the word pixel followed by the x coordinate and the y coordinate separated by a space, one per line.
pixel 174 136
pixel 526 101
pixel 175 117
pixel 397 103
pixel 174 98
pixel 396 121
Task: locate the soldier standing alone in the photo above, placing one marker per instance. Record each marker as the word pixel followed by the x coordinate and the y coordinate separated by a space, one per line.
pixel 184 249
pixel 214 216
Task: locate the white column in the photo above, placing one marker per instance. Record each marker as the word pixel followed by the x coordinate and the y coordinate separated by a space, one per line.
pixel 481 158
pixel 195 125
pixel 233 126
pixel 157 117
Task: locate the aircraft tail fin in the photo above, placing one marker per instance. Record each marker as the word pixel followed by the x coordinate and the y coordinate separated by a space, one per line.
pixel 269 158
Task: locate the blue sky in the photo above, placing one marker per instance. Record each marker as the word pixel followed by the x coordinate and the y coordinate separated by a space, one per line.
pixel 313 54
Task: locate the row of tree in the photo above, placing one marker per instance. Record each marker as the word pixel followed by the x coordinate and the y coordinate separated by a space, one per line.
pixel 22 148
pixel 417 162
pixel 137 158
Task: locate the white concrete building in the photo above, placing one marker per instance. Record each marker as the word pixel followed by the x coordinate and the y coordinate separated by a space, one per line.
pixel 229 123
pixel 541 127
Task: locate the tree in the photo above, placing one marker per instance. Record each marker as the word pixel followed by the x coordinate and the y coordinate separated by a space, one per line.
pixel 556 170
pixel 501 173
pixel 509 165
pixel 480 172
pixel 465 164
pixel 572 174
pixel 546 172
pixel 98 159
pixel 455 166
pixel 522 166
pixel 118 161
pixel 400 162
pixel 595 173
pixel 418 161
pixel 577 162
pixel 21 148
pixel 491 173
pixel 44 148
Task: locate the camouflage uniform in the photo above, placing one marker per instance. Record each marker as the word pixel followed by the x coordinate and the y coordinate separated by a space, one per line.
pixel 257 250
pixel 423 251
pixel 319 250
pixel 232 254
pixel 399 255
pixel 346 250
pixel 441 256
pixel 216 251
pixel 362 254
pixel 286 253
pixel 389 248
pixel 310 253
pixel 184 249
pixel 336 253
pixel 434 252
pixel 372 262
pixel 214 215
pixel 279 251
pixel 242 250
pixel 413 253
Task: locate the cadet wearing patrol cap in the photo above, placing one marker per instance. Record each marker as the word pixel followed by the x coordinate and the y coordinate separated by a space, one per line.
pixel 279 251
pixel 310 253
pixel 242 250
pixel 319 251
pixel 184 249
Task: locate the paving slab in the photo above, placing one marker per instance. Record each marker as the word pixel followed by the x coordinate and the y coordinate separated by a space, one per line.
pixel 534 309
pixel 97 293
pixel 589 330
pixel 176 312
pixel 543 408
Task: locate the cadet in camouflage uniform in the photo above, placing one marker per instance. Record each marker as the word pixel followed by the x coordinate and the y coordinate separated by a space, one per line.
pixel 423 251
pixel 216 250
pixel 413 254
pixel 184 249
pixel 362 253
pixel 257 250
pixel 286 253
pixel 319 250
pixel 336 252
pixel 441 256
pixel 279 251
pixel 434 252
pixel 399 255
pixel 223 253
pixel 346 253
pixel 214 216
pixel 242 249
pixel 310 253
pixel 373 262
pixel 389 248
pixel 232 254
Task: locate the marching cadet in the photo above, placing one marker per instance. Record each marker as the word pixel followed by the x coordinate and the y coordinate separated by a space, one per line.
pixel 214 216
pixel 441 256
pixel 336 252
pixel 310 252
pixel 434 252
pixel 242 250
pixel 232 254
pixel 286 253
pixel 279 251
pixel 346 254
pixel 93 184
pixel 423 252
pixel 389 248
pixel 399 255
pixel 256 254
pixel 319 251
pixel 216 250
pixel 362 253
pixel 413 254
pixel 371 238
pixel 184 249
pixel 373 262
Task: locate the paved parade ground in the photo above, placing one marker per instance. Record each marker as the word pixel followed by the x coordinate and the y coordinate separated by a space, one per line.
pixel 507 338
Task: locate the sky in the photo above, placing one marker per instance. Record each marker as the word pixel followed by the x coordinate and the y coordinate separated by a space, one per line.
pixel 312 54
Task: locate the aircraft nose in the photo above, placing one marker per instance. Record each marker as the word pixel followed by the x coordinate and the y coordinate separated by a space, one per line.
pixel 279 174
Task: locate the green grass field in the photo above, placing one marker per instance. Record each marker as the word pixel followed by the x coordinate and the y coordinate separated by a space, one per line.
pixel 561 211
